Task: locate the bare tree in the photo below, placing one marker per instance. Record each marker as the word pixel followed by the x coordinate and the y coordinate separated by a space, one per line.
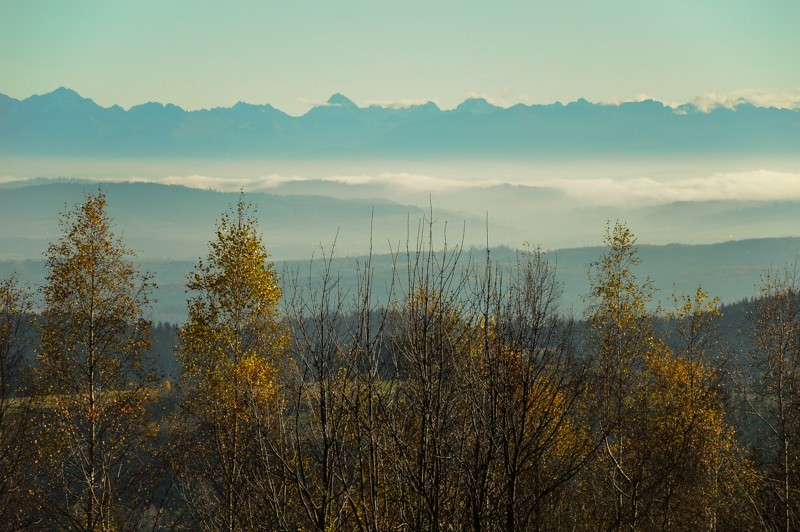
pixel 429 337
pixel 331 447
pixel 316 388
pixel 774 391
pixel 528 392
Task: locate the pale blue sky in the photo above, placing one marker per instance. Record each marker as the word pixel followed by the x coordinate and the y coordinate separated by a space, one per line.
pixel 291 53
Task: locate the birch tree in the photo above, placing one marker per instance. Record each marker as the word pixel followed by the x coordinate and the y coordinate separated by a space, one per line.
pixel 230 350
pixel 774 392
pixel 94 374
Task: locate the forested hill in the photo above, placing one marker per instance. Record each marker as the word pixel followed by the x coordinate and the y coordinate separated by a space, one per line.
pixel 175 222
pixel 731 271
pixel 169 227
pixel 64 123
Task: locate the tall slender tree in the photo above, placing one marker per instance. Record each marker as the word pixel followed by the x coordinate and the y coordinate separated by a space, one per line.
pixel 775 381
pixel 622 336
pixel 94 374
pixel 668 457
pixel 230 350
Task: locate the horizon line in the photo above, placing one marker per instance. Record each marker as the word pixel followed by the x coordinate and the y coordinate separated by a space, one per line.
pixel 782 100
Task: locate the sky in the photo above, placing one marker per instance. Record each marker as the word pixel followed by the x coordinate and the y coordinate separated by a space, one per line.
pixel 295 53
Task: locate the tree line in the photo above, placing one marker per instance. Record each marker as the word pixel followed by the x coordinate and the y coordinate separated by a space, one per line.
pixel 470 401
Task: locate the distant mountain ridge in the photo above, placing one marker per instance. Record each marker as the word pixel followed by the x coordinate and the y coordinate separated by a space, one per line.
pixel 731 271
pixel 170 226
pixel 173 221
pixel 63 123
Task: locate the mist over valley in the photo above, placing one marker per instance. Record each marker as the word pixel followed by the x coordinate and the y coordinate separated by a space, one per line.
pixel 345 180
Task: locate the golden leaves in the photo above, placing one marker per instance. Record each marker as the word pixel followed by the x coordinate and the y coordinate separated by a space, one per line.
pixel 92 361
pixel 234 338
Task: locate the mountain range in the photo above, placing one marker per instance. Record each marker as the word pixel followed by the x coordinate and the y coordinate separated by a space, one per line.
pixel 63 123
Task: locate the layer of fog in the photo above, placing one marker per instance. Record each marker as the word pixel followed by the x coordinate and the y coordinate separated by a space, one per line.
pixel 592 182
pixel 755 185
pixel 555 204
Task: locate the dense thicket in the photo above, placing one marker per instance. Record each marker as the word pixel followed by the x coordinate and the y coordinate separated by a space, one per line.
pixel 470 401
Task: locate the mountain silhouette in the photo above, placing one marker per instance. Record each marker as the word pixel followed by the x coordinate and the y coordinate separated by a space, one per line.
pixel 63 123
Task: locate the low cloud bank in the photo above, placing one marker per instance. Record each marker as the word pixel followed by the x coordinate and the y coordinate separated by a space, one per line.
pixel 632 191
pixel 757 97
pixel 273 182
pixel 762 185
pixel 758 185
